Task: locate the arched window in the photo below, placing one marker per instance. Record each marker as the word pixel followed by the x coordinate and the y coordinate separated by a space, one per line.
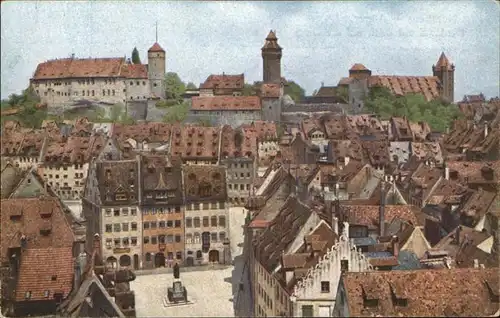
pixel 196 238
pixel 199 254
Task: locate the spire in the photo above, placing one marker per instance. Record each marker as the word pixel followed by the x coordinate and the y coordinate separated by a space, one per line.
pixel 443 61
pixel 156 41
pixel 271 41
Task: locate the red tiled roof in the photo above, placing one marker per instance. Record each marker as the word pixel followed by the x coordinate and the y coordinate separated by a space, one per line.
pixel 224 81
pixel 440 292
pixel 226 103
pixel 345 81
pixel 135 71
pixel 156 48
pixel 262 130
pixel 45 270
pixel 195 142
pixel 401 85
pixel 358 67
pixel 237 144
pixel 27 217
pixel 73 68
pixel 269 90
pixel 443 61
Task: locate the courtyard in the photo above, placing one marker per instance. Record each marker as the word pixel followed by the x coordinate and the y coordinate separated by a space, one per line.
pixel 209 287
pixel 210 290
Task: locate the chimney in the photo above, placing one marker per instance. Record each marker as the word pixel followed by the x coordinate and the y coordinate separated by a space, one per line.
pixel 476 263
pixel 97 243
pixel 395 246
pixel 335 225
pixel 381 214
pixel 457 235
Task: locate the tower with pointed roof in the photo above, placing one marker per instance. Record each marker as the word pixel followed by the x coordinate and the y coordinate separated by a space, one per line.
pixel 271 57
pixel 156 69
pixel 445 71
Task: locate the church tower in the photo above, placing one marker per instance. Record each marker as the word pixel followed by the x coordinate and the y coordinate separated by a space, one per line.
pixel 156 69
pixel 271 57
pixel 445 71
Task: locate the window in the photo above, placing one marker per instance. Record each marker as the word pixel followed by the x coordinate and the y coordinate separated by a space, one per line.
pixel 133 211
pixel 116 212
pixel 124 227
pixel 222 236
pixel 113 92
pixel 27 295
pixel 154 240
pixel 307 311
pixel 144 83
pixel 189 222
pixel 213 237
pixel 93 94
pixel 206 206
pixel 117 241
pixel 177 223
pixel 325 287
pixel 189 238
pixel 196 222
pixel 170 224
pixel 103 92
pixel 161 239
pixel 177 209
pixel 125 241
pixel 133 226
pixel 153 225
pixel 109 228
pixel 124 211
pixel 146 239
pixel 146 225
pixel 108 243
pixel 205 221
pixel 221 205
pixel 196 238
pixel 213 221
pixel 222 221
pixel 133 241
pixel 344 265
pixel 177 239
pixel 161 224
pixel 199 254
pixel 170 238
pixel 116 227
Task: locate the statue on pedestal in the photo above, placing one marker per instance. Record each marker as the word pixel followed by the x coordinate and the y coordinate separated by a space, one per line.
pixel 176 271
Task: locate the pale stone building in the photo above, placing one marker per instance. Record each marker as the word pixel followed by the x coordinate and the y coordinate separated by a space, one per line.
pixel 206 215
pixel 70 81
pixel 314 295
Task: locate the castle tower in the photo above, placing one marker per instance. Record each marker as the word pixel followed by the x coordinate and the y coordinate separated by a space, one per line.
pixel 271 57
pixel 445 71
pixel 156 70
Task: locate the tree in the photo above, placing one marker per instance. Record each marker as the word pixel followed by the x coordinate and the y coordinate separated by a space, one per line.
pixel 294 90
pixel 191 86
pixel 343 92
pixel 437 113
pixel 249 89
pixel 174 88
pixel 135 56
pixel 176 114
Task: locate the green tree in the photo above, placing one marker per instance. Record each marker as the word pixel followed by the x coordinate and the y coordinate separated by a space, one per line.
pixel 176 114
pixel 249 89
pixel 174 88
pixel 437 113
pixel 294 90
pixel 191 86
pixel 135 56
pixel 343 92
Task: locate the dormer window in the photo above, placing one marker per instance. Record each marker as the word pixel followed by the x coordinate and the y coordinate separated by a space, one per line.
pixel 370 299
pixel 399 297
pixel 120 197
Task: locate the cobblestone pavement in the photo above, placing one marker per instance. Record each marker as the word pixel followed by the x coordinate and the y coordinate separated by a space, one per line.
pixel 209 290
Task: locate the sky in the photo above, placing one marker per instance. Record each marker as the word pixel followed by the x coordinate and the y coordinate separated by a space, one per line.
pixel 320 39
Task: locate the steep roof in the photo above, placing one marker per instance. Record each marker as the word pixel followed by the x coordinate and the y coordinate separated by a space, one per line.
pixel 441 292
pixel 358 67
pixel 73 68
pixel 156 48
pixel 271 42
pixel 443 61
pixel 46 270
pixel 217 81
pixel 402 85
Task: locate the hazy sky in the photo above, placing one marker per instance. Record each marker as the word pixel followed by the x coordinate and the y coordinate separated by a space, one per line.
pixel 320 40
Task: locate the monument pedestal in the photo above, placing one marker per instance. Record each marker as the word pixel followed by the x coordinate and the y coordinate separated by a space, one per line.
pixel 177 295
